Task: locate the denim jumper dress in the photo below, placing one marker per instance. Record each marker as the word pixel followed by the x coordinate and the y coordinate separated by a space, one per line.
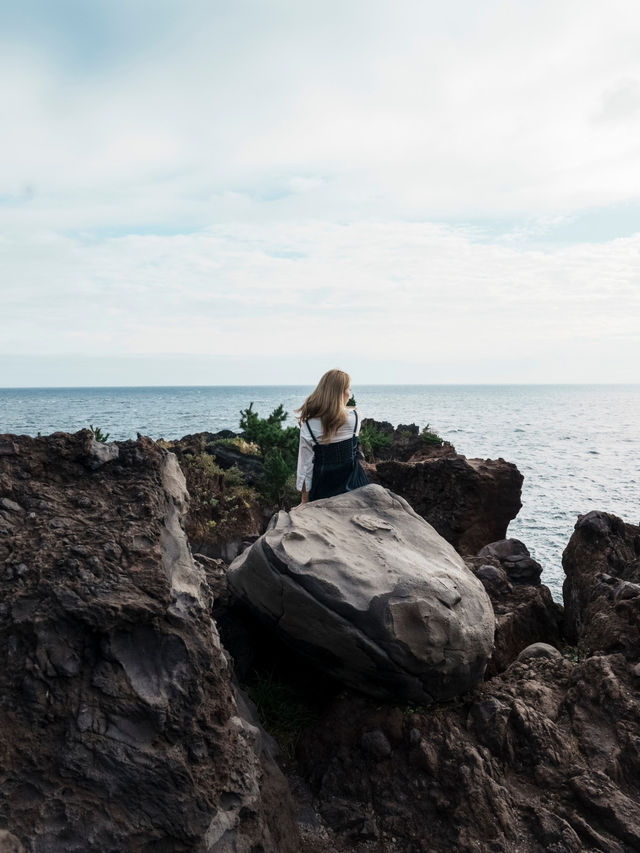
pixel 336 466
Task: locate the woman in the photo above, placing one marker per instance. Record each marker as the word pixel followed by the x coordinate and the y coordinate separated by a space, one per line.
pixel 328 458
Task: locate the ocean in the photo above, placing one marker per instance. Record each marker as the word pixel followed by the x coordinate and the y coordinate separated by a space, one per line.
pixel 578 446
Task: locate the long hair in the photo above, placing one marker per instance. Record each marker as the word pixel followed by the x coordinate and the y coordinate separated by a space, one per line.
pixel 327 403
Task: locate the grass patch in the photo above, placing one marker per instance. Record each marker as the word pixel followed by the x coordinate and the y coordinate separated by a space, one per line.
pixel 431 438
pixel 372 439
pixel 249 448
pixel 220 498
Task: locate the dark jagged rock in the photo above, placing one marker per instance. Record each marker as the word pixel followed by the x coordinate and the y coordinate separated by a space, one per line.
pixel 405 442
pixel 373 594
pixel 524 613
pixel 544 757
pixel 514 557
pixel 528 615
pixel 120 731
pixel 470 502
pixel 602 586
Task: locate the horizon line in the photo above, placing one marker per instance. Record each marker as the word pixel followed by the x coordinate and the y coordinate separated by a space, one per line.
pixel 311 384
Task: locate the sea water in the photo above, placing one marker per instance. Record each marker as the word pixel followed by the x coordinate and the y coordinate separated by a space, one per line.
pixel 578 446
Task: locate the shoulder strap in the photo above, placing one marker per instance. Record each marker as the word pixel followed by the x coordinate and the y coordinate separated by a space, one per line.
pixel 313 438
pixel 356 426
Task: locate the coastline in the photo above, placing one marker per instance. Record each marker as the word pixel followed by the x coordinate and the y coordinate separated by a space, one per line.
pixel 119 648
pixel 577 446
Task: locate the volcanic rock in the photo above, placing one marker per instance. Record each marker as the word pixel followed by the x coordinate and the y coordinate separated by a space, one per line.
pixel 602 586
pixel 405 442
pixel 470 502
pixel 225 513
pixel 370 592
pixel 514 557
pixel 524 613
pixel 120 730
pixel 539 650
pixel 544 757
pixel 226 455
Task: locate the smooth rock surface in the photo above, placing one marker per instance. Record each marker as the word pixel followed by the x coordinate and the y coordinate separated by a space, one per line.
pixel 370 591
pixel 539 650
pixel 120 731
pixel 9 843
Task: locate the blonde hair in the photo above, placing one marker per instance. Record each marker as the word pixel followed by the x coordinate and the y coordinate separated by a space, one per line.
pixel 327 403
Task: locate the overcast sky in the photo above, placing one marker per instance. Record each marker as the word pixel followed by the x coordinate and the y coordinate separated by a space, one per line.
pixel 253 192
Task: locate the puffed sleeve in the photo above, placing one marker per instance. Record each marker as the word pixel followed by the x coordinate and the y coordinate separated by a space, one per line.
pixel 305 462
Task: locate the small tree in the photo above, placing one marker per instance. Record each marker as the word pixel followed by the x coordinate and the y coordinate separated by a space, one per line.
pixel 278 445
pixel 99 435
pixel 276 474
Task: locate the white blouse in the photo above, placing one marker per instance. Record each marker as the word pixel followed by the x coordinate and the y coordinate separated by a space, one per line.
pixel 305 452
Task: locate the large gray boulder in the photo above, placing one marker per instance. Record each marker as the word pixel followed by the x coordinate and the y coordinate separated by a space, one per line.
pixel 366 588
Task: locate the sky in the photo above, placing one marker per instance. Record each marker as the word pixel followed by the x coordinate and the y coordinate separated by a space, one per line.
pixel 245 192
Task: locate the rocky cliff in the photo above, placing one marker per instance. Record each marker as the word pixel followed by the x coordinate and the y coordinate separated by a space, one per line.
pixel 120 729
pixel 602 587
pixel 469 501
pixel 541 758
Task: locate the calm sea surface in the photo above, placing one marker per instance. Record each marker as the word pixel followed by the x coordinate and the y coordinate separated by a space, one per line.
pixel 578 446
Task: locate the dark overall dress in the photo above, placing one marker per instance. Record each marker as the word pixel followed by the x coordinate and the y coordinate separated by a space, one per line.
pixel 336 466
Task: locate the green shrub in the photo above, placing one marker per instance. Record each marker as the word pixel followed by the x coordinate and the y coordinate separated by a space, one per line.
pixel 290 493
pixel 372 439
pixel 100 436
pixel 221 500
pixel 431 438
pixel 276 474
pixel 278 446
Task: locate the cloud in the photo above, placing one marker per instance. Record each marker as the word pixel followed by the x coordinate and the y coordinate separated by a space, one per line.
pixel 281 177
pixel 415 291
pixel 378 111
pixel 621 101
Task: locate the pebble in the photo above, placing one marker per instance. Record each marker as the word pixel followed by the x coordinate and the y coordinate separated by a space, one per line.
pixel 12 506
pixel 376 744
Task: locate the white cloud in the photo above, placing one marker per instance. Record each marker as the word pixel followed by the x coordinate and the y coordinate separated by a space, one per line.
pixel 269 177
pixel 621 101
pixel 403 109
pixel 418 291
